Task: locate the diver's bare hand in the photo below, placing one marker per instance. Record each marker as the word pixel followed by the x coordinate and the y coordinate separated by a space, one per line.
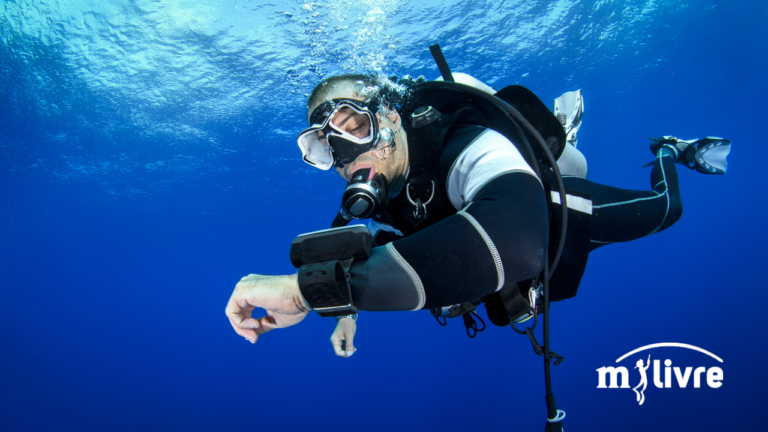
pixel 278 295
pixel 345 331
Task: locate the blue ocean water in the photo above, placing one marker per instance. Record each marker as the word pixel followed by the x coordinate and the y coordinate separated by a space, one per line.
pixel 148 161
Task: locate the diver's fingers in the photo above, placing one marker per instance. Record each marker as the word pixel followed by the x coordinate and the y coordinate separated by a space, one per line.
pixel 252 328
pixel 338 340
pixel 348 327
pixel 266 323
pixel 249 334
pixel 337 344
pixel 240 317
pixel 248 328
pixel 350 348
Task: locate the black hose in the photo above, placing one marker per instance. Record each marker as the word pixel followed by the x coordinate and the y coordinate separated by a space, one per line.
pixel 550 397
pixel 481 320
pixel 552 413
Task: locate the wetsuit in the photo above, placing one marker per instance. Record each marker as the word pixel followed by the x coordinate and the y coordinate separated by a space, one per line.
pixel 490 226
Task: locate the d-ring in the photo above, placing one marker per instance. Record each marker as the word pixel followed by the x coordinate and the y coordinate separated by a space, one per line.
pixel 410 200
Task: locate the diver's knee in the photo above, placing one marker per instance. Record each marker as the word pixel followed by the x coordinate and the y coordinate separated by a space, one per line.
pixel 572 162
pixel 675 212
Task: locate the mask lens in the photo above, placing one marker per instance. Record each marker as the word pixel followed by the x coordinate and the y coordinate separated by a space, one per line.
pixel 344 128
pixel 349 121
pixel 351 132
pixel 315 149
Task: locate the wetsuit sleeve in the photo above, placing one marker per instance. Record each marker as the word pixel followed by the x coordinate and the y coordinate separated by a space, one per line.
pixel 498 236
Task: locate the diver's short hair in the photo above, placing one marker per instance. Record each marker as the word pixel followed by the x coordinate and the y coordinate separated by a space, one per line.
pixel 321 90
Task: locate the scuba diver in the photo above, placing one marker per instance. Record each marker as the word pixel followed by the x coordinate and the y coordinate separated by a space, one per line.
pixel 489 201
pixel 461 209
pixel 492 213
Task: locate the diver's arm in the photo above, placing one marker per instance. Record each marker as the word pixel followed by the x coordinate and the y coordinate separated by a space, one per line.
pixel 499 236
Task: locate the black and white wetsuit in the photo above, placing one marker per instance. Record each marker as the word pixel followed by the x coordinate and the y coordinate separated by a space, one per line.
pixel 491 227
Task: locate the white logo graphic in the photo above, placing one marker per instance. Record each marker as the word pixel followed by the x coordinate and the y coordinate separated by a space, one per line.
pixel 643 379
pixel 714 375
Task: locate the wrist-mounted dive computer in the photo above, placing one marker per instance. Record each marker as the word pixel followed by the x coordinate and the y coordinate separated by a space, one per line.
pixel 323 259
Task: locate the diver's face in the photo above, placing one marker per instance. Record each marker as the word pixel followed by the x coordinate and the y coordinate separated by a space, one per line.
pixel 393 165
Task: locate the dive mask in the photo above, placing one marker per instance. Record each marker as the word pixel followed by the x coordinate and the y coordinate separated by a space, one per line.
pixel 342 130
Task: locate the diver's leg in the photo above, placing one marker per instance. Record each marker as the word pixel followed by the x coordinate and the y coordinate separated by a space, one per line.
pixel 620 215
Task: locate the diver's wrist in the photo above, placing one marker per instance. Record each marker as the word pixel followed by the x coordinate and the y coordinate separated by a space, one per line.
pixel 298 298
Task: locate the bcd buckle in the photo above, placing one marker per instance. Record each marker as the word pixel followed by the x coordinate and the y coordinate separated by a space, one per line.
pixel 533 295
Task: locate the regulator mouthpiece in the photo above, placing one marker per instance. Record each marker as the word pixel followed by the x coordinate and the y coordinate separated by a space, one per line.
pixel 364 198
